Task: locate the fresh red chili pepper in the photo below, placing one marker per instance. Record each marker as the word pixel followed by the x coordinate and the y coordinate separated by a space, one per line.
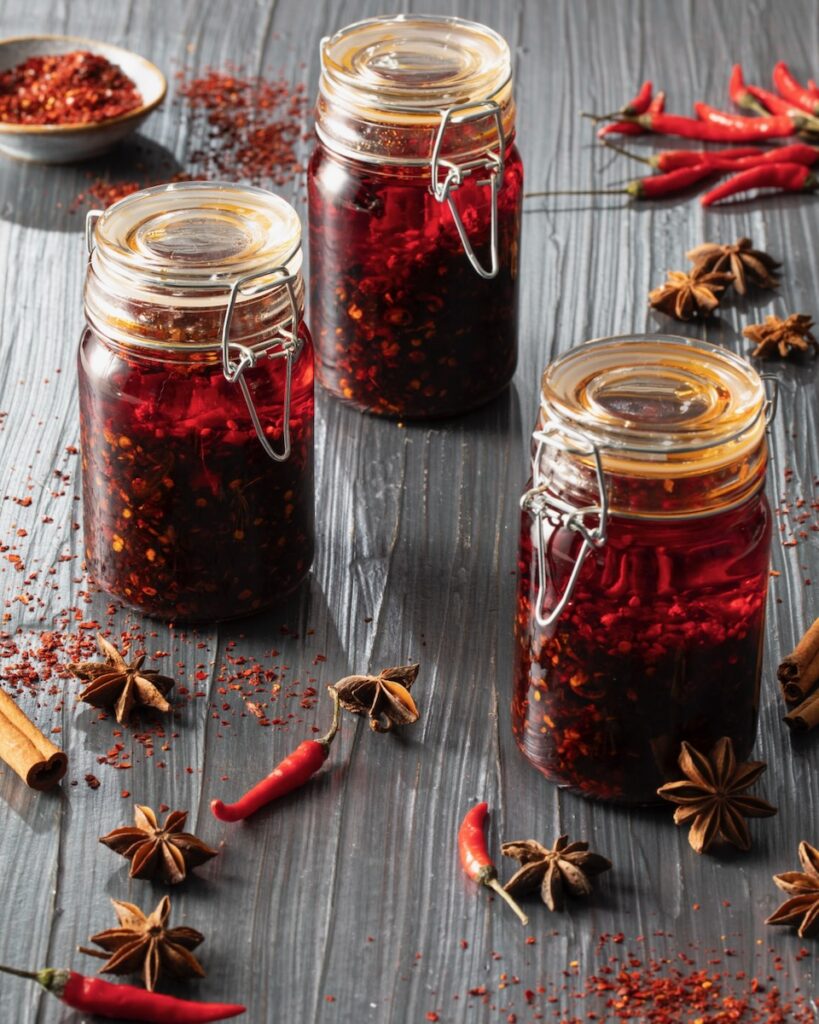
pixel 773 104
pixel 636 106
pixel 785 177
pixel 655 186
pixel 741 94
pixel 475 858
pixel 674 159
pixel 756 128
pixel 124 1002
pixel 770 124
pixel 296 769
pixel 791 89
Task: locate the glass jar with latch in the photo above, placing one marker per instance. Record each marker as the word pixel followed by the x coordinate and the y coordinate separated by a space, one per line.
pixel 643 564
pixel 415 190
pixel 196 401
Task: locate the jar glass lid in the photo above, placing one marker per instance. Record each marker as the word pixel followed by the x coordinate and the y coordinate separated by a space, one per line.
pixel 643 399
pixel 412 63
pixel 198 234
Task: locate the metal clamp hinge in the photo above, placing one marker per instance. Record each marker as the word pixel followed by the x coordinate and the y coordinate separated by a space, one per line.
pixel 772 402
pixel 492 161
pixel 542 505
pixel 287 345
pixel 91 219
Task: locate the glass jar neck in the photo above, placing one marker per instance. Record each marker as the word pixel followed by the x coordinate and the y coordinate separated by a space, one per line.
pixel 389 86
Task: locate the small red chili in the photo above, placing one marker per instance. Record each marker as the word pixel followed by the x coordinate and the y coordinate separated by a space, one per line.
pixel 296 769
pixel 655 186
pixel 124 1002
pixel 790 89
pixel 741 94
pixel 751 130
pixel 740 123
pixel 674 159
pixel 775 104
pixel 785 177
pixel 475 858
pixel 641 103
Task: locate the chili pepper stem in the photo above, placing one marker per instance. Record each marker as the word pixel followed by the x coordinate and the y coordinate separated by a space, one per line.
pixel 579 192
pixel 496 887
pixel 330 735
pixel 31 975
pixel 627 152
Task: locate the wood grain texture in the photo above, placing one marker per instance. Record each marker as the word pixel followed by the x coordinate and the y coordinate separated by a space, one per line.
pixel 338 892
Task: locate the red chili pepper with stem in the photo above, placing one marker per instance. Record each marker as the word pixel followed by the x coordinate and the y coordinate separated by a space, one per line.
pixel 790 89
pixel 631 109
pixel 741 95
pixel 655 186
pixel 737 158
pixel 296 769
pixel 776 105
pixel 784 177
pixel 475 858
pixel 673 159
pixel 740 123
pixel 124 1002
pixel 755 130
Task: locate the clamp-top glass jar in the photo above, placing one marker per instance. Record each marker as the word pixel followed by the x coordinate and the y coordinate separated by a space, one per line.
pixel 196 401
pixel 415 190
pixel 643 563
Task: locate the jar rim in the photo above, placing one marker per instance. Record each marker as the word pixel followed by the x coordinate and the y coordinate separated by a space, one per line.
pixel 413 66
pixel 649 399
pixel 198 235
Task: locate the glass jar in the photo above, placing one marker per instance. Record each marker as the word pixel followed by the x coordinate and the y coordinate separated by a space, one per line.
pixel 415 190
pixel 196 402
pixel 643 566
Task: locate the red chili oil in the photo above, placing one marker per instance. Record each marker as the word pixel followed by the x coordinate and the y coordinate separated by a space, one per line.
pixel 407 323
pixel 66 88
pixel 187 516
pixel 661 639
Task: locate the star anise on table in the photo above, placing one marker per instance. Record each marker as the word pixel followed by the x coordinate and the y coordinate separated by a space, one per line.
pixel 803 889
pixel 712 796
pixel 385 698
pixel 778 337
pixel 567 866
pixel 142 944
pixel 155 851
pixel 115 682
pixel 684 296
pixel 746 264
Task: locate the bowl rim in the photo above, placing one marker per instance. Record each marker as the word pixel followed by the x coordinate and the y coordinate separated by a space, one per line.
pixel 14 128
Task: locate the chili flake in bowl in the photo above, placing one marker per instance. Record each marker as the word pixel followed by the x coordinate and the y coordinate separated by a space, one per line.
pixel 64 98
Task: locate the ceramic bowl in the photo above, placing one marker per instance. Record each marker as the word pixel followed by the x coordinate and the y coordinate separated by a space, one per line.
pixel 67 143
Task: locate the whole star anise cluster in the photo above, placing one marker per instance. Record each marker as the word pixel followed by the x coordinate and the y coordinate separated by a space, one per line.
pixel 566 867
pixel 777 337
pixel 715 267
pixel 158 851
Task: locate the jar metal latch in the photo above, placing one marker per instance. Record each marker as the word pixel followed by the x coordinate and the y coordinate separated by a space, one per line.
pixel 287 347
pixel 492 161
pixel 540 504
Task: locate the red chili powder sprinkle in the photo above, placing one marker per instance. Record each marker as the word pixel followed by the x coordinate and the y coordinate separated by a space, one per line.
pixel 66 88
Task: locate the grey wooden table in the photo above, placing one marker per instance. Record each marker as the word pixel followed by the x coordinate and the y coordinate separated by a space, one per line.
pixel 346 903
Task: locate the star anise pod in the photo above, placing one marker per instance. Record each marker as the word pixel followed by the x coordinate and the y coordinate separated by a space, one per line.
pixel 746 264
pixel 566 866
pixel 712 796
pixel 385 698
pixel 158 851
pixel 686 295
pixel 142 944
pixel 803 889
pixel 781 337
pixel 118 683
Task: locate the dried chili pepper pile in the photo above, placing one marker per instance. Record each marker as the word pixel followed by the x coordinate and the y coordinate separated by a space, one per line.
pixel 66 88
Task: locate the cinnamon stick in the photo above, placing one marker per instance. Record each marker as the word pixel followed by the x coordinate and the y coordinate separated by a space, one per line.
pixel 38 762
pixel 805 716
pixel 799 672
